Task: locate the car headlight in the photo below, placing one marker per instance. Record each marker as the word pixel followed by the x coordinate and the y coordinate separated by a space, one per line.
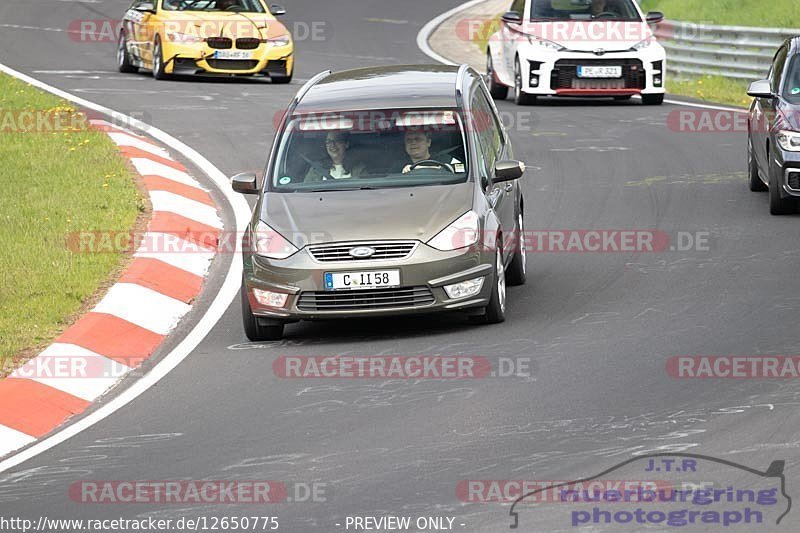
pixel 460 234
pixel 535 41
pixel 269 243
pixel 176 37
pixel 283 40
pixel 641 45
pixel 789 140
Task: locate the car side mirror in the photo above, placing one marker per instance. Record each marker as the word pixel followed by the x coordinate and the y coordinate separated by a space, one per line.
pixel 277 10
pixel 245 183
pixel 761 89
pixel 508 170
pixel 512 17
pixel 654 17
pixel 146 8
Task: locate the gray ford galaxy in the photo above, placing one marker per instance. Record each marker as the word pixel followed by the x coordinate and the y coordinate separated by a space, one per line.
pixel 388 191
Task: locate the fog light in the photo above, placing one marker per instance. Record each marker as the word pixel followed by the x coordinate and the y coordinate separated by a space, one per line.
pixel 534 81
pixel 464 288
pixel 270 299
pixel 657 81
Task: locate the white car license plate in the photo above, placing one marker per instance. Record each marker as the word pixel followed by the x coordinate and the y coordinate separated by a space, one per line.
pixel 232 54
pixel 599 72
pixel 375 279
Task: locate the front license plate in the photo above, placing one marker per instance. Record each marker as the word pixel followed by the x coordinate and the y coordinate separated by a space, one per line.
pixel 232 54
pixel 376 279
pixel 600 72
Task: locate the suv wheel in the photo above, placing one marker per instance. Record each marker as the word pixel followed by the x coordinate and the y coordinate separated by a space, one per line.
pixel 495 312
pixel 756 185
pixel 652 99
pixel 777 204
pixel 517 270
pixel 497 90
pixel 159 70
pixel 124 63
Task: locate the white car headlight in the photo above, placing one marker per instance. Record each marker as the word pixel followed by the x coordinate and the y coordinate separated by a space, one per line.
pixel 460 234
pixel 789 140
pixel 535 41
pixel 283 40
pixel 641 45
pixel 269 243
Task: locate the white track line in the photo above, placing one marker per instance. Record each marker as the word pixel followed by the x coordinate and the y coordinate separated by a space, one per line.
pixel 142 306
pixel 11 439
pixel 147 167
pixel 427 30
pixel 125 139
pixel 65 363
pixel 177 252
pixel 227 292
pixel 185 207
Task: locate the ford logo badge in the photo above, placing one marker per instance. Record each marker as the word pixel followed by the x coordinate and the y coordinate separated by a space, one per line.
pixel 362 252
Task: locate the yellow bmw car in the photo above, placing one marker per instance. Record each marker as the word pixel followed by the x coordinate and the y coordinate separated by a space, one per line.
pixel 208 37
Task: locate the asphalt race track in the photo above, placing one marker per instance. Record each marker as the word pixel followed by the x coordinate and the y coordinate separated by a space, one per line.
pixel 597 327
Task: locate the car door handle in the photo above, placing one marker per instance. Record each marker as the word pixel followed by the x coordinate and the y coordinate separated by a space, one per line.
pixel 509 187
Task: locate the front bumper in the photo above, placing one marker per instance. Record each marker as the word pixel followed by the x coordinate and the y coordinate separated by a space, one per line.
pixel 198 58
pixel 426 269
pixel 551 72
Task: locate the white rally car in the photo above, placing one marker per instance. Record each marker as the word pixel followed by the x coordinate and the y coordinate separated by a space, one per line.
pixel 576 48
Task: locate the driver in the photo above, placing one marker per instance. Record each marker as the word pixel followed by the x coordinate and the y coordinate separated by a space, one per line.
pixel 418 148
pixel 601 6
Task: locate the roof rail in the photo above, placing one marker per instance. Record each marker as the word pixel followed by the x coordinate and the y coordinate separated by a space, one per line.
pixel 462 72
pixel 305 88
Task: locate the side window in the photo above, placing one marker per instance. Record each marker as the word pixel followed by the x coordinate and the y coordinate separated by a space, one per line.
pixel 518 6
pixel 486 127
pixel 777 68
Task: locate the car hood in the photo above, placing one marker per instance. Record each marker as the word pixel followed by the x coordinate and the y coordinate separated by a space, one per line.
pixel 216 24
pixel 417 213
pixel 590 36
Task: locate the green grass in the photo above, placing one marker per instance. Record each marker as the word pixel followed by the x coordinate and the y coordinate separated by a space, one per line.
pixel 770 13
pixel 717 89
pixel 53 184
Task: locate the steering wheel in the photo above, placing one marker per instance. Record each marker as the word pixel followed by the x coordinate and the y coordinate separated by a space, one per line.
pixel 606 14
pixel 430 163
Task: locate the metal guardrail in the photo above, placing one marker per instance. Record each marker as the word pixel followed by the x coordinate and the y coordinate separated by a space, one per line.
pixel 730 51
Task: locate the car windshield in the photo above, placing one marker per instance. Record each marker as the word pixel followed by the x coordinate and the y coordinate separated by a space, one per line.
pixel 246 6
pixel 544 10
pixel 791 88
pixel 370 150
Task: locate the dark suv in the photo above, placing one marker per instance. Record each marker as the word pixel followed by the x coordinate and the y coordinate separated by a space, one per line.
pixel 388 191
pixel 773 142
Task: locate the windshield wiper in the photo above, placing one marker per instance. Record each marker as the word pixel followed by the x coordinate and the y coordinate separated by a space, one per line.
pixel 336 189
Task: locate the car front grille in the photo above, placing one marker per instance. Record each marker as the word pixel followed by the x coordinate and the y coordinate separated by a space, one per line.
pixel 221 43
pixel 247 43
pixel 383 250
pixel 232 64
pixel 365 299
pixel 566 71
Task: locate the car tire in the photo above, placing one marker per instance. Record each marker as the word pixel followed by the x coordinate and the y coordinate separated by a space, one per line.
pixel 497 90
pixel 159 69
pixel 255 331
pixel 495 312
pixel 124 63
pixel 282 79
pixel 652 99
pixel 516 274
pixel 778 205
pixel 756 185
pixel 521 98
